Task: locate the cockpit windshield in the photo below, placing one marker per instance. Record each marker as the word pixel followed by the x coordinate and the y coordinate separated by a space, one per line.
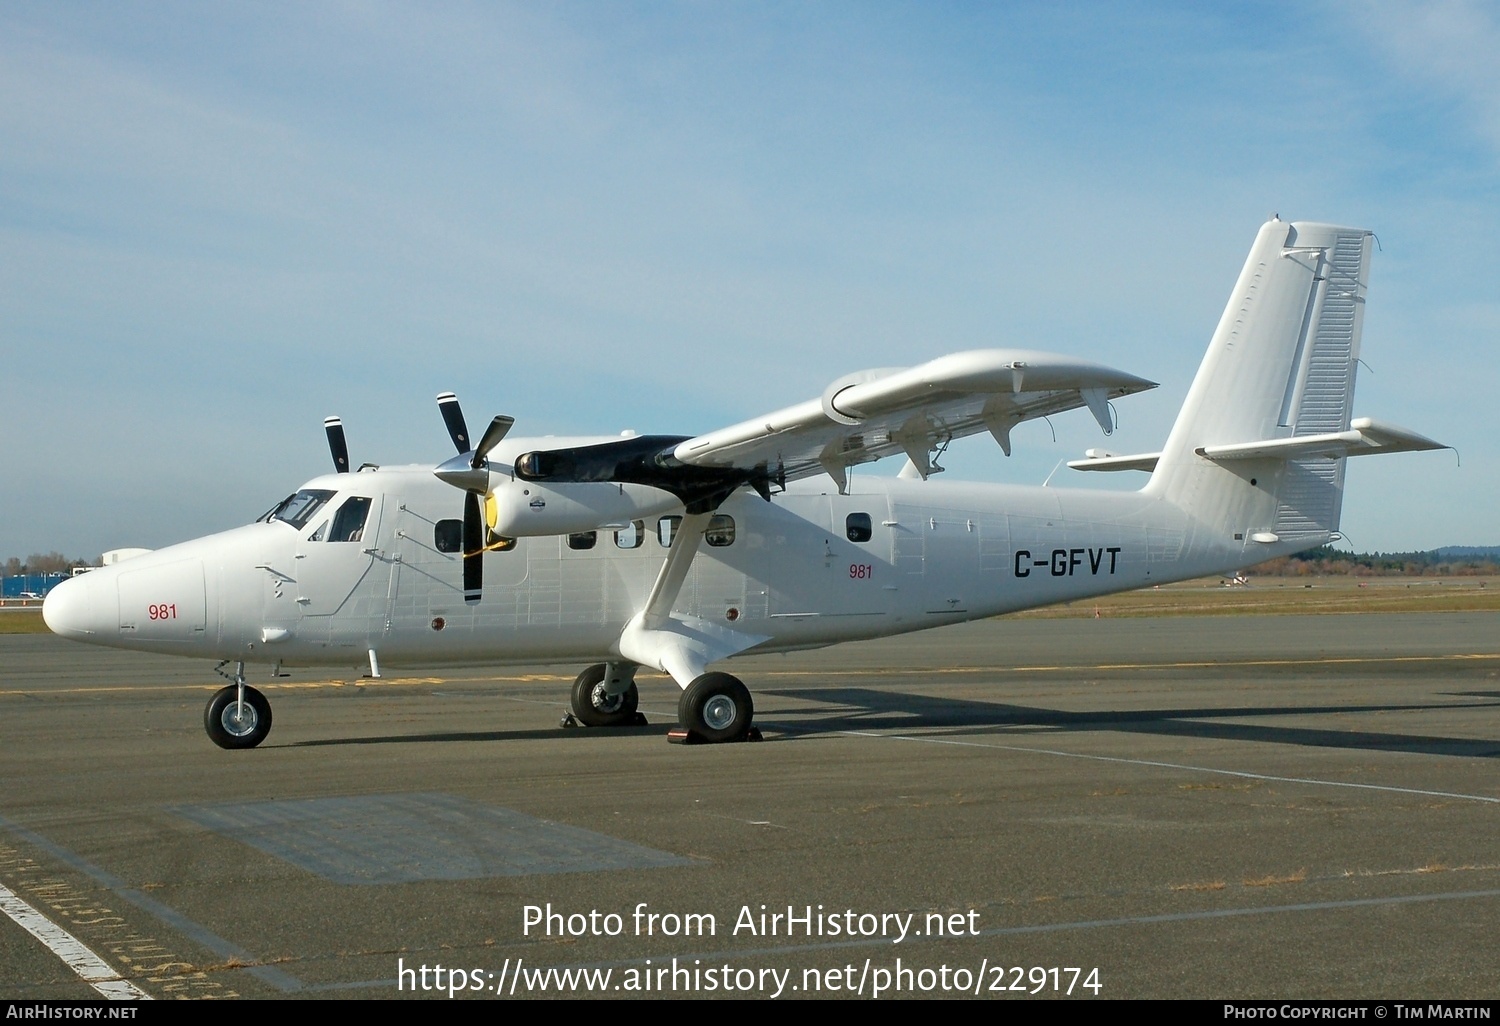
pixel 298 509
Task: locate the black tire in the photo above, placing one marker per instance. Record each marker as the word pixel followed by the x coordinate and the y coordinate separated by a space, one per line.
pixel 716 707
pixel 228 732
pixel 595 707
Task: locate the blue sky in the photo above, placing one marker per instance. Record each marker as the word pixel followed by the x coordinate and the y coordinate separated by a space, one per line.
pixel 220 223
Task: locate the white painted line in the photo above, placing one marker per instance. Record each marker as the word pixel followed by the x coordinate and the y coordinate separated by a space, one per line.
pixel 93 969
pixel 1175 766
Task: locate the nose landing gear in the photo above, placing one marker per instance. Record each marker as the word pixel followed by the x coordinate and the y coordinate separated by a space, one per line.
pixel 237 716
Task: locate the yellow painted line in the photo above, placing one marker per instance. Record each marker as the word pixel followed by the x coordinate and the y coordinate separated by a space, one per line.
pixel 311 685
pixel 874 671
pixel 1204 664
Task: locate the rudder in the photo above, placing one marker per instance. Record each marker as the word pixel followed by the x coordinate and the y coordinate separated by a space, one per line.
pixel 1281 366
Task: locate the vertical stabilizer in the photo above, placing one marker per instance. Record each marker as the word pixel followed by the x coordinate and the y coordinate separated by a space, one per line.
pixel 1281 365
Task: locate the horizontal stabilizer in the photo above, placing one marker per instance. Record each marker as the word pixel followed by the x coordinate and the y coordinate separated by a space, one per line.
pixel 1365 437
pixel 1097 459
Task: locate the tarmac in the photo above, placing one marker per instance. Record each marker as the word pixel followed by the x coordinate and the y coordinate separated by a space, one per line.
pixel 1217 807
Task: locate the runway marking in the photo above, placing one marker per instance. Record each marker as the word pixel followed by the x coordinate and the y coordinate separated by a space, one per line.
pixel 1224 913
pixel 241 959
pixel 311 685
pixel 78 957
pixel 879 671
pixel 874 671
pixel 1242 774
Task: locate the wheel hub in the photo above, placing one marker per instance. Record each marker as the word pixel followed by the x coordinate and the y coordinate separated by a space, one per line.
pixel 604 701
pixel 237 723
pixel 719 712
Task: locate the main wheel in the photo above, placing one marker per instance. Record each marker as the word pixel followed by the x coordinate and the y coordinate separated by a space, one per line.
pixel 596 707
pixel 229 727
pixel 717 707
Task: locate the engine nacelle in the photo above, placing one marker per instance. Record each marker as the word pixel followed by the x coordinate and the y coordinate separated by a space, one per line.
pixel 528 509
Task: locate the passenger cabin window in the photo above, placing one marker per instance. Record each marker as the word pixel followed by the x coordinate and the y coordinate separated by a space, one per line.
pixel 632 536
pixel 857 527
pixel 448 536
pixel 720 531
pixel 666 530
pixel 349 521
pixel 582 541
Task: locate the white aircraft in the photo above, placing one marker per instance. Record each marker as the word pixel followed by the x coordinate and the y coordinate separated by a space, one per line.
pixel 675 553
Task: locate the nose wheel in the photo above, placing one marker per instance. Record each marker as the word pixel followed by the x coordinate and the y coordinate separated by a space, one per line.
pixel 232 723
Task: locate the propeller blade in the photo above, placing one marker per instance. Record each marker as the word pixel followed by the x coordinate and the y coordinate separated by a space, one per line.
pixel 473 548
pixel 493 435
pixel 337 444
pixel 454 418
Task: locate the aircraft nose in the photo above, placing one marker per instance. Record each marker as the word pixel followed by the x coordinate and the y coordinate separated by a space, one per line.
pixel 68 609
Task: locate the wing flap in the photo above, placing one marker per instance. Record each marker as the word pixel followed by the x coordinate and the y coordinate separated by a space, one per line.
pixel 874 414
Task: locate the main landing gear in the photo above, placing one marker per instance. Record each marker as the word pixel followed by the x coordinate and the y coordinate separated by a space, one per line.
pixel 238 716
pixel 714 708
pixel 605 695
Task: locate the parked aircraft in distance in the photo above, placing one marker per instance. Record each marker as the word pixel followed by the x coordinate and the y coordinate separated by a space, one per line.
pixel 677 553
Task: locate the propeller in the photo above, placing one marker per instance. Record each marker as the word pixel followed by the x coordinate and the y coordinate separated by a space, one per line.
pixel 493 436
pixel 454 418
pixel 337 443
pixel 473 547
pixel 469 470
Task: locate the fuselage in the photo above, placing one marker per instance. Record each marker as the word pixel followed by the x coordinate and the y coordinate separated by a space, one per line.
pixel 810 568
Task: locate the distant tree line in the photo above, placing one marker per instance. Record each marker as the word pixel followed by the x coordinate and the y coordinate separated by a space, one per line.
pixel 37 563
pixel 1446 562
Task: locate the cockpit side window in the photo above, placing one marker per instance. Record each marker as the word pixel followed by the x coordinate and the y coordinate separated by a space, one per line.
pixel 349 521
pixel 298 509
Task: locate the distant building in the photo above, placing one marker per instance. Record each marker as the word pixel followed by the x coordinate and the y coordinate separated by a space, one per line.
pixel 23 586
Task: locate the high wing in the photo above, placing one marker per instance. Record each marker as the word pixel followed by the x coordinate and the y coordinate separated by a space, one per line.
pixel 859 418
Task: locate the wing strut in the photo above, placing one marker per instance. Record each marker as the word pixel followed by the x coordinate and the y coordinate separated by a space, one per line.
pixel 668 584
pixel 682 646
